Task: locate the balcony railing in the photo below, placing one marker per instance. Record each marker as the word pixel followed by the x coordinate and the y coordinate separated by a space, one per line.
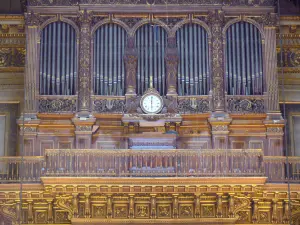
pixel 277 170
pixel 149 163
pixel 16 168
pixel 156 163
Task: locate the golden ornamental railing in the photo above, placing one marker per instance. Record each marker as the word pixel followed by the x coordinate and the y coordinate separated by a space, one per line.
pixel 278 169
pixel 156 163
pixel 17 168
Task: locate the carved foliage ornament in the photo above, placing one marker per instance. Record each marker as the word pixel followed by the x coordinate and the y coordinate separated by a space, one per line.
pixel 109 105
pixel 192 105
pixel 269 19
pixel 216 21
pixel 84 19
pixel 243 106
pixel 57 105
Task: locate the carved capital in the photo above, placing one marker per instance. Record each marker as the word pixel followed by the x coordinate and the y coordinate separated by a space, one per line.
pixel 32 19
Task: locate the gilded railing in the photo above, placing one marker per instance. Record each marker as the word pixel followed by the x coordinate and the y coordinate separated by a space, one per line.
pixel 57 103
pixel 278 170
pixel 179 162
pixel 17 168
pixel 245 104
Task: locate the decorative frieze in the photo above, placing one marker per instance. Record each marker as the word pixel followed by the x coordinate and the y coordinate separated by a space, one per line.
pixel 244 105
pixel 193 105
pixel 109 105
pixel 57 105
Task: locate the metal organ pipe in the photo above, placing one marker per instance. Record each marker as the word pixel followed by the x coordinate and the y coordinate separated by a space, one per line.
pixel 150 42
pixel 193 69
pixel 108 69
pixel 57 67
pixel 244 60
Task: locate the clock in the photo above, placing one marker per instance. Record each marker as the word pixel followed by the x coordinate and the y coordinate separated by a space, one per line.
pixel 151 102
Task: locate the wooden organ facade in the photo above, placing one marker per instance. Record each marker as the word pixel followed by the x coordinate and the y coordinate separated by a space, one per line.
pixel 90 154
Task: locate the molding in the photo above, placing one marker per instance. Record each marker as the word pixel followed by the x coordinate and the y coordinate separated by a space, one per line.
pixel 154 181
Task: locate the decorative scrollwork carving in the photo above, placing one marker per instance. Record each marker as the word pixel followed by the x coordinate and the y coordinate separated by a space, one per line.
pixel 245 105
pixel 269 19
pixel 192 105
pixel 109 105
pixel 57 105
pixel 51 2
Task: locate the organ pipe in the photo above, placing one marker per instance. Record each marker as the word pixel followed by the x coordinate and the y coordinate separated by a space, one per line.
pixel 193 68
pixel 151 42
pixel 108 69
pixel 244 74
pixel 58 63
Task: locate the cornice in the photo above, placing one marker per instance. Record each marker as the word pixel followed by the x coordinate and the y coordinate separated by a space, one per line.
pixel 155 181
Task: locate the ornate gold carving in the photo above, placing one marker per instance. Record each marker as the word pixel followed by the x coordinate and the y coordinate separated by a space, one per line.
pixel 163 211
pixel 120 211
pixel 186 210
pixel 99 211
pixel 142 211
pixel 207 211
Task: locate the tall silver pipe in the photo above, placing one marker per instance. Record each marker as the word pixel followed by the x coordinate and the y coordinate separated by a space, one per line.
pixel 106 62
pixel 261 80
pixel 53 58
pixel 191 74
pixel 204 61
pixel 243 55
pixel 151 59
pixel 256 60
pixel 155 47
pixel 229 63
pixel 63 59
pixel 182 60
pixel 248 88
pixel 45 60
pixel 75 58
pixel 58 78
pixel 70 78
pixel 68 41
pixel 197 59
pixel 138 45
pixel 234 60
pixel 252 49
pixel 49 51
pixel 238 57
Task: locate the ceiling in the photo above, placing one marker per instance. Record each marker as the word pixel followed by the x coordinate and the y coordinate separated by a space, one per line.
pixel 287 7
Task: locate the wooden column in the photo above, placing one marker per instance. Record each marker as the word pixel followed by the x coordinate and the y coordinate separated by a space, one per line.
pixel 216 21
pixel 32 22
pixel 270 65
pixel 84 84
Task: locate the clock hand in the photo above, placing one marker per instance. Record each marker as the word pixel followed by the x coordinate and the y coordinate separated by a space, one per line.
pixel 151 102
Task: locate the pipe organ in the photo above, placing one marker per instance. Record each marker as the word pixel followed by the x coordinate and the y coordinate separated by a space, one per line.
pixel 151 41
pixel 58 60
pixel 244 69
pixel 193 69
pixel 108 66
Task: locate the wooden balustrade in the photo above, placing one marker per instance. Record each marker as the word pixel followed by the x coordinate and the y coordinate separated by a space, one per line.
pixel 276 168
pixel 179 162
pixel 17 168
pixel 145 163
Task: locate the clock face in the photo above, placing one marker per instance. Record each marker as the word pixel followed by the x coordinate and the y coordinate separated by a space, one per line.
pixel 151 104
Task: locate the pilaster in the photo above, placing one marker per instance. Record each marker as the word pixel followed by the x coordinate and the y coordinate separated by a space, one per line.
pixel 216 21
pixel 220 131
pixel 270 65
pixel 28 136
pixel 84 85
pixel 31 80
pixel 83 132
